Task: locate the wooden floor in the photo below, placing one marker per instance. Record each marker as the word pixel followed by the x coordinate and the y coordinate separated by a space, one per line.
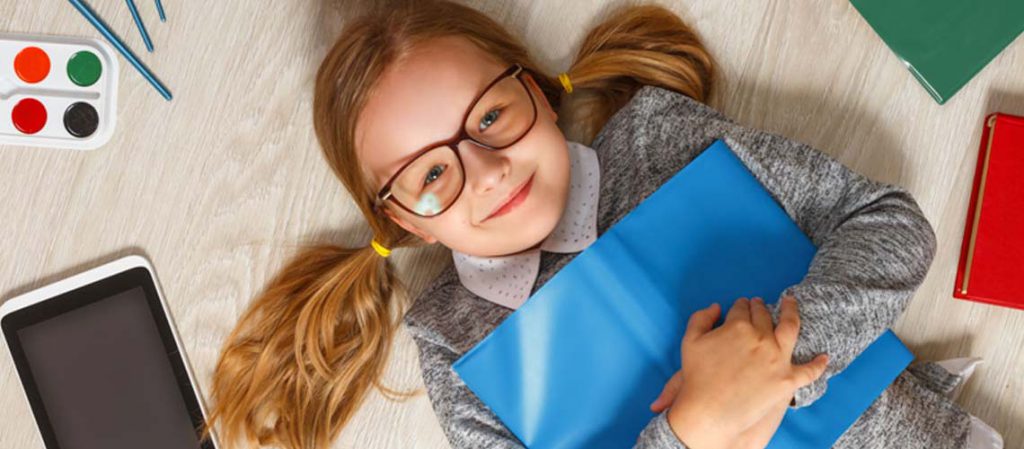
pixel 219 185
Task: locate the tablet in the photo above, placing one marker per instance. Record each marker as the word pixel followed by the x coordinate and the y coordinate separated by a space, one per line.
pixel 101 364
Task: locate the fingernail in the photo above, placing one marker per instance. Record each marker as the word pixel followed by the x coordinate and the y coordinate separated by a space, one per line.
pixel 758 300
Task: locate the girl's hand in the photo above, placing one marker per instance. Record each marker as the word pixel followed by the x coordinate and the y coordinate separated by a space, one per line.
pixel 736 379
pixel 758 435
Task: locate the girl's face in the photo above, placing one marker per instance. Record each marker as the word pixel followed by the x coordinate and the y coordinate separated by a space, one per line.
pixel 421 100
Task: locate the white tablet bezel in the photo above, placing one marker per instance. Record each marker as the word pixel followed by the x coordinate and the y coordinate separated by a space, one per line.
pixel 89 277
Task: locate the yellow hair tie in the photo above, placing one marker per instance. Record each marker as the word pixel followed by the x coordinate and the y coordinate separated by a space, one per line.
pixel 564 78
pixel 384 252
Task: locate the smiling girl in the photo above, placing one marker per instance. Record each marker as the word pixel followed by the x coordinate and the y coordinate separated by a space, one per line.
pixel 444 130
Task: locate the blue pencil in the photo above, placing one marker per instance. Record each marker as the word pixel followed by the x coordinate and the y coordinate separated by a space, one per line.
pixel 138 23
pixel 160 9
pixel 116 42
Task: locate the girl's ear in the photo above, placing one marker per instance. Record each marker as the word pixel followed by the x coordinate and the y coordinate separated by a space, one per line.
pixel 539 94
pixel 409 226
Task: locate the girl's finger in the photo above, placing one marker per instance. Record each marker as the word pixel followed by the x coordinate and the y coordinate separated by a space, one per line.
pixel 788 328
pixel 740 311
pixel 668 393
pixel 701 322
pixel 760 317
pixel 810 371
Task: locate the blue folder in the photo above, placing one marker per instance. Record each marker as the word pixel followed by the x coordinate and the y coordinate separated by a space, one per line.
pixel 579 363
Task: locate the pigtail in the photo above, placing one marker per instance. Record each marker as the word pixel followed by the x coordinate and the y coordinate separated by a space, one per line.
pixel 312 344
pixel 636 46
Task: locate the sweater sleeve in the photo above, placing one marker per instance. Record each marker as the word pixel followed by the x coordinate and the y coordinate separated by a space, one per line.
pixel 470 424
pixel 874 245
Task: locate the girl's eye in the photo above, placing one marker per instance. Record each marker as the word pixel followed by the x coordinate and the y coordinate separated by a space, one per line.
pixel 434 173
pixel 489 118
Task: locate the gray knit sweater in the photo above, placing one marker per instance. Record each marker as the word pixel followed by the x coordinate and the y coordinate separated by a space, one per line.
pixel 874 249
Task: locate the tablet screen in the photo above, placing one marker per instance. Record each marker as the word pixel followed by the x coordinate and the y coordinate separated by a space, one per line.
pixel 103 370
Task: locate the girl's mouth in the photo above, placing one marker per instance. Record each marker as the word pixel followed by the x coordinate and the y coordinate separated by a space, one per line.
pixel 516 200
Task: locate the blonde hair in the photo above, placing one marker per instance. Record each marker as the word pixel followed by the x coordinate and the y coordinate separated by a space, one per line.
pixel 302 358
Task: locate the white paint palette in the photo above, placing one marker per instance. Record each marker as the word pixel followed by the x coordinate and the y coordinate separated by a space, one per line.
pixel 57 91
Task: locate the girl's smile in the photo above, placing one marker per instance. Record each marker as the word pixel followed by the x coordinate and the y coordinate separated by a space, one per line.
pixel 519 198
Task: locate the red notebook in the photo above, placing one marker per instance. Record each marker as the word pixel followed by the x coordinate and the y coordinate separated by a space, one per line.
pixel 991 267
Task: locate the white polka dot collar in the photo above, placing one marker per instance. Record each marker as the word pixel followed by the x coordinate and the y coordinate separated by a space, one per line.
pixel 508 280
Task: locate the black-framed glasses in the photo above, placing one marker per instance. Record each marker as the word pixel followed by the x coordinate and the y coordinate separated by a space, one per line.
pixel 500 115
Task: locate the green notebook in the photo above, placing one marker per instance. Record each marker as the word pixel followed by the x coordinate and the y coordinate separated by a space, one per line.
pixel 944 43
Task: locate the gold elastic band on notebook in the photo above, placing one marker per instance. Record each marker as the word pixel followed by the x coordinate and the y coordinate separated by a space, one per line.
pixel 977 205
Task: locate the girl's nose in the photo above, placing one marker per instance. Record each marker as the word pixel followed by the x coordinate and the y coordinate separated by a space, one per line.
pixel 486 169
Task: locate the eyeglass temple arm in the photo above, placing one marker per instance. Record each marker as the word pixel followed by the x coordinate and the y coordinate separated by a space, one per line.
pixel 382 197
